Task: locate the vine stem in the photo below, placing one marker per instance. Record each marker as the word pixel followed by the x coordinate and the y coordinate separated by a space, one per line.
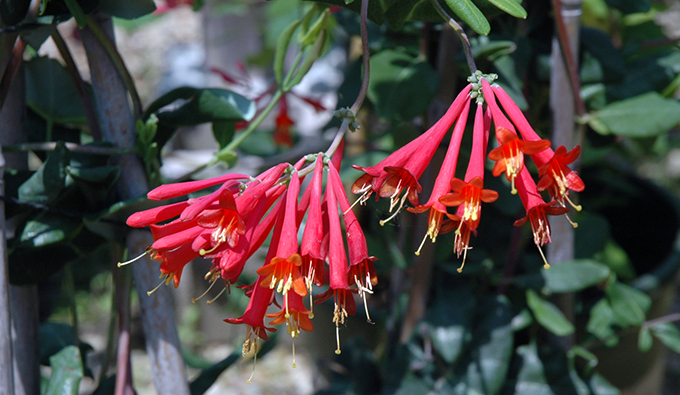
pixel 568 56
pixel 461 33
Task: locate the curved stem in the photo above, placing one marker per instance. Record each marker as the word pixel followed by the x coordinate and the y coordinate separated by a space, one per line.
pixel 366 58
pixel 461 33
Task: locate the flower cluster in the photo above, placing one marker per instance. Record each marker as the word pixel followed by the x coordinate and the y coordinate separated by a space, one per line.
pixel 396 177
pixel 230 224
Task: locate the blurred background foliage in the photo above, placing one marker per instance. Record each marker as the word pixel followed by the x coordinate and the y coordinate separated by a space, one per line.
pixel 494 329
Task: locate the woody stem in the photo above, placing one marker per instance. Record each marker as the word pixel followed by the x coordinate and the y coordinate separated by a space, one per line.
pixel 461 34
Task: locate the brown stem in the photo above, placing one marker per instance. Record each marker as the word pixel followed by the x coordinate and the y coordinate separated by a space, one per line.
pixel 15 61
pixel 568 56
pixel 122 283
pixel 83 93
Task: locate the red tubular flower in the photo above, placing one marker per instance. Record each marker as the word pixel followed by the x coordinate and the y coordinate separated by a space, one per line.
pixel 509 157
pixel 283 272
pixel 397 176
pixel 536 209
pixel 173 262
pixel 260 298
pixel 226 221
pixel 294 314
pixel 442 185
pixel 558 178
pixel 337 262
pixel 361 270
pixel 470 194
pixel 313 249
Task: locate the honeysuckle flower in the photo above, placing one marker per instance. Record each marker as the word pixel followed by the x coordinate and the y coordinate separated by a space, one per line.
pixel 509 157
pixel 296 317
pixel 437 221
pixel 313 249
pixel 361 270
pixel 283 272
pixel 253 317
pixel 470 194
pixel 396 177
pixel 536 209
pixel 337 262
pixel 558 179
pixel 173 262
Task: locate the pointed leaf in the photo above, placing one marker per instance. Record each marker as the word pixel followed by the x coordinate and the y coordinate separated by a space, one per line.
pixel 628 304
pixel 470 14
pixel 193 106
pixel 669 334
pixel 646 115
pixel 512 7
pixel 127 9
pixel 48 228
pixel 47 183
pixel 548 315
pixel 601 318
pixel 571 276
pixel 223 132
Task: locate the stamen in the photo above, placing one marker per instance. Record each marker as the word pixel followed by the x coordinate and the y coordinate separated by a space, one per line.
pixel 577 207
pixel 337 339
pixel 368 317
pixel 546 265
pixel 421 245
pixel 135 259
pixel 212 284
pixel 254 362
pixel 574 224
pixel 462 265
pixel 216 297
pixel 401 205
pixel 204 252
pixel 294 365
pixel 513 190
pixel 358 201
pixel 157 286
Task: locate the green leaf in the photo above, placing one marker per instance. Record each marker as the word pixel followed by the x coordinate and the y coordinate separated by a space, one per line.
pixel 531 378
pixel 127 9
pixel 77 12
pixel 67 371
pixel 669 334
pixel 47 183
pixel 41 28
pixel 628 304
pixel 646 115
pixel 645 339
pixel 195 106
pixel 401 85
pixel 48 228
pixel 50 92
pixel 570 276
pixel 110 223
pixel 449 322
pixel 281 49
pixel 600 386
pixel 223 132
pixel 601 318
pixel 548 315
pixel 470 14
pixel 512 7
pixel 313 53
